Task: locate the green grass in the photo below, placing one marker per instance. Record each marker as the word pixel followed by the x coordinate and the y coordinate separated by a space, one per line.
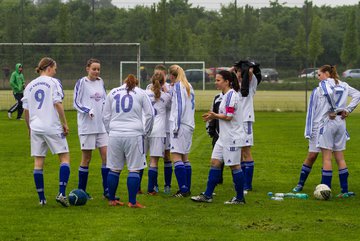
pixel 278 152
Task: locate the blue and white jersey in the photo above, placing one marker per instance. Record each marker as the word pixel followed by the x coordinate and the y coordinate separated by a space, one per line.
pixel 40 95
pixel 336 96
pixel 89 95
pixel 247 103
pixel 123 112
pixel 160 108
pixel 182 108
pixel 231 132
pixel 316 108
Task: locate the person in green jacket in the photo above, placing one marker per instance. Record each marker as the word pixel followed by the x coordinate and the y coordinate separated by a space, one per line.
pixel 17 83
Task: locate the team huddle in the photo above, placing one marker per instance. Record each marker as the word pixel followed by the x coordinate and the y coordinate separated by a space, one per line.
pixel 129 123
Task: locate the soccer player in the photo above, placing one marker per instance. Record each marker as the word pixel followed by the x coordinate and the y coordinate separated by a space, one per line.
pixel 125 108
pixel 248 119
pixel 332 129
pixel 228 147
pixel 17 83
pixel 46 121
pixel 89 99
pixel 182 126
pixel 161 101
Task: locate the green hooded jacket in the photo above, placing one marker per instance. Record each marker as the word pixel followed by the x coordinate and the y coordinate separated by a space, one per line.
pixel 17 81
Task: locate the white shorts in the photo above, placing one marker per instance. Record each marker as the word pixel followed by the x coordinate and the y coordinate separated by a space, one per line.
pixel 40 143
pixel 167 142
pixel 333 135
pixel 230 155
pixel 313 141
pixel 126 149
pixel 155 146
pixel 93 141
pixel 181 143
pixel 248 134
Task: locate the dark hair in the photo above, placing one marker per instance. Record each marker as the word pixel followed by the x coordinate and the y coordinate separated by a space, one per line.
pixel 331 69
pixel 231 77
pixel 44 64
pixel 92 60
pixel 161 67
pixel 157 81
pixel 131 82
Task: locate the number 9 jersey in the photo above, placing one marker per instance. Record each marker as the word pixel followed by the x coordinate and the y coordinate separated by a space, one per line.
pixel 40 95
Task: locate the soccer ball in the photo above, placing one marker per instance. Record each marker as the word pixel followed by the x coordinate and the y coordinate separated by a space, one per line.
pixel 322 192
pixel 78 197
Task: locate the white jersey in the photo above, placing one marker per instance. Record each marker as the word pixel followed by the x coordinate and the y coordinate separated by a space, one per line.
pixel 336 96
pixel 316 108
pixel 247 103
pixel 160 108
pixel 40 95
pixel 182 108
pixel 169 88
pixel 123 112
pixel 89 95
pixel 231 132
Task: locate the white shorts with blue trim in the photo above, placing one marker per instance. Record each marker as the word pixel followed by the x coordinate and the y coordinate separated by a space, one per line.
pixel 181 142
pixel 93 141
pixel 230 155
pixel 40 143
pixel 333 135
pixel 248 139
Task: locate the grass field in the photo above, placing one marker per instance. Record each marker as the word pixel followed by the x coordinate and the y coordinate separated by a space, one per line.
pixel 278 152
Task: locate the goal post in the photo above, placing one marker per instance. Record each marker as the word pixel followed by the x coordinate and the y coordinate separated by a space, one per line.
pixel 202 63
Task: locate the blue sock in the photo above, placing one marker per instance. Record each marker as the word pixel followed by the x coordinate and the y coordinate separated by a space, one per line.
pixel 83 177
pixel 168 173
pixel 213 180
pixel 133 182
pixel 188 170
pixel 326 177
pixel 343 177
pixel 180 174
pixel 249 171
pixel 104 174
pixel 112 183
pixel 305 171
pixel 64 177
pixel 153 175
pixel 238 179
pixel 141 172
pixel 39 183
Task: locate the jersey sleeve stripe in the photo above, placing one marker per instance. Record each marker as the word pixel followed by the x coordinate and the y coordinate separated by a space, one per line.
pixel 179 103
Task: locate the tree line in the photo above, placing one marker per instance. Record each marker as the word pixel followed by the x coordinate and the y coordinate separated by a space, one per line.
pixel 278 36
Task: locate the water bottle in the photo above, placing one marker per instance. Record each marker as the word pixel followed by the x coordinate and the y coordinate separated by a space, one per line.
pixel 301 196
pixel 277 198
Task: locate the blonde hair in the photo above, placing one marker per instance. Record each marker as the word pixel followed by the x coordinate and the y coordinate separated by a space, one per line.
pixel 179 75
pixel 157 83
pixel 131 82
pixel 44 64
pixel 331 69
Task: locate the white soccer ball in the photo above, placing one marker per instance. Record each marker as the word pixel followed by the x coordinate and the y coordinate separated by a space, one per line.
pixel 322 192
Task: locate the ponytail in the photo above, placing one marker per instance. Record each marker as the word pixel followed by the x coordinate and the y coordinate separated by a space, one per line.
pixel 131 82
pixel 331 69
pixel 179 74
pixel 231 77
pixel 157 82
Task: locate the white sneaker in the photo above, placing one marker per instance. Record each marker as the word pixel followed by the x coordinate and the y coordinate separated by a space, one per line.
pixel 9 115
pixel 62 200
pixel 234 200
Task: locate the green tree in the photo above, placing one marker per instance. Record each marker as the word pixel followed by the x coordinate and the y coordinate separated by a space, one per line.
pixel 299 49
pixel 315 45
pixel 349 52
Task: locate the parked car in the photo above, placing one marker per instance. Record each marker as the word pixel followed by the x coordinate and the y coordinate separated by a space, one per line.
pixel 309 72
pixel 351 73
pixel 269 74
pixel 196 75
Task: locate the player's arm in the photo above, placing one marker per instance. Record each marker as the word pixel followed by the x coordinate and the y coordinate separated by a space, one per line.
pixel 107 113
pixel 355 99
pixel 60 110
pixel 27 119
pixel 78 100
pixel 149 114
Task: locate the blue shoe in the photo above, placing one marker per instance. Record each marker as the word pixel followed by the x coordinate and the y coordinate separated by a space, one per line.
pixel 345 195
pixel 167 190
pixel 298 188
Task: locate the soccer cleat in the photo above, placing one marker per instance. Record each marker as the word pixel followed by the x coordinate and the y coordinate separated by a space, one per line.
pixel 115 203
pixel 182 194
pixel 42 202
pixel 214 194
pixel 89 197
pixel 245 192
pixel 136 205
pixel 9 115
pixel 19 119
pixel 62 200
pixel 153 193
pixel 156 188
pixel 106 196
pixel 234 200
pixel 345 195
pixel 140 192
pixel 167 190
pixel 298 188
pixel 202 198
